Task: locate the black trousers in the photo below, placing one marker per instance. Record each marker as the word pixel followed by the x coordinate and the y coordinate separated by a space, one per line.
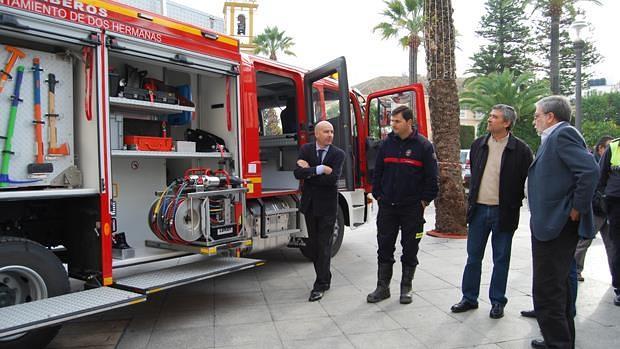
pixel 613 214
pixel 319 242
pixel 410 221
pixel 552 262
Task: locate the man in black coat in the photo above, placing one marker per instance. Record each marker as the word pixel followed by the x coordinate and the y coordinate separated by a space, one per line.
pixel 319 165
pixel 499 164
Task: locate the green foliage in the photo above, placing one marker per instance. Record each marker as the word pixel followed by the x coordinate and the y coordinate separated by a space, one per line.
pixel 601 107
pixel 521 92
pixel 509 47
pixel 566 61
pixel 272 40
pixel 405 20
pixel 593 130
pixel 467 135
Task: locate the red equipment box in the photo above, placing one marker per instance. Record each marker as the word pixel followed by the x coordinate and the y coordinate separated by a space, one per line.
pixel 148 143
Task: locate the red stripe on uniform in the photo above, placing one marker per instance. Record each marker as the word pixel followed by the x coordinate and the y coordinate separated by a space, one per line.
pixel 403 161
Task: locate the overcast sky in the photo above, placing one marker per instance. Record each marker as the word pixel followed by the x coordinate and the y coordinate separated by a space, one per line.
pixel 325 29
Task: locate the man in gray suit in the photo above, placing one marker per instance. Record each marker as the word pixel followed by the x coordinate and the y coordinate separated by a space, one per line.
pixel 561 184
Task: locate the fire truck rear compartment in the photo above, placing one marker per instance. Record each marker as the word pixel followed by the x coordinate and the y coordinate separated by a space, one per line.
pixel 137 175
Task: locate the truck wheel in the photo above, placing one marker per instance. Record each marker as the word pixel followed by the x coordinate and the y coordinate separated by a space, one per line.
pixel 29 272
pixel 337 239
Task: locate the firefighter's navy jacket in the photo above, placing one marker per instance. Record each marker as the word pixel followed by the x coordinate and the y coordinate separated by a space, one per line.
pixel 405 170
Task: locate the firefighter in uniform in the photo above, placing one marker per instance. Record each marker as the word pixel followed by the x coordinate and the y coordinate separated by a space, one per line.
pixel 609 184
pixel 404 183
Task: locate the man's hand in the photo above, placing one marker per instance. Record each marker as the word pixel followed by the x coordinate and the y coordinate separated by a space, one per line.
pixel 302 163
pixel 574 215
pixel 327 170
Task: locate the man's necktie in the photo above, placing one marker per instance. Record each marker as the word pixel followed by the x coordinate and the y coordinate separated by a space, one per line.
pixel 321 151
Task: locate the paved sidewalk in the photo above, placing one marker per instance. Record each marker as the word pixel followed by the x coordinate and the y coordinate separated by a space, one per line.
pixel 267 307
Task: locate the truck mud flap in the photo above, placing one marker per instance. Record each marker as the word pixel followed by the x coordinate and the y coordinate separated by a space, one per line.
pixel 49 311
pixel 158 280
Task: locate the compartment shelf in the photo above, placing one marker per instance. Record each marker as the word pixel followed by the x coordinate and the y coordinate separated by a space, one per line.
pixel 167 154
pixel 146 106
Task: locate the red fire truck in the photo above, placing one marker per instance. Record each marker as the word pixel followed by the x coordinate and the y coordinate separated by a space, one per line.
pixel 134 141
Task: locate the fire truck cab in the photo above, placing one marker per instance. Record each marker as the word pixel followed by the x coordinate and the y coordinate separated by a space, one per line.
pixel 141 153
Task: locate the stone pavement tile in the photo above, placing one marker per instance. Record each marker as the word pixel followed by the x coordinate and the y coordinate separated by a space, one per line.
pixel 443 298
pixel 483 346
pixel 510 327
pixel 448 335
pixel 138 333
pixel 429 283
pixel 366 323
pixel 242 315
pixel 351 307
pixel 245 299
pixel 186 338
pixel 188 301
pixel 307 310
pixel 184 319
pixel 590 334
pixel 247 282
pixel 604 313
pixel 85 339
pixel 92 327
pixel 518 344
pixel 395 339
pixel 338 342
pixel 393 303
pixel 307 329
pixel 273 344
pixel 260 335
pixel 421 317
pixel 283 283
pixel 295 296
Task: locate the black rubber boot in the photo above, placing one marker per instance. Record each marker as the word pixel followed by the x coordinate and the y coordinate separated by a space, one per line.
pixel 384 276
pixel 119 241
pixel 405 284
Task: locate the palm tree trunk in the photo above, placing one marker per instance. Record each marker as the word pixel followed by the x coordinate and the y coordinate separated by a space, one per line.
pixel 413 60
pixel 554 67
pixel 444 110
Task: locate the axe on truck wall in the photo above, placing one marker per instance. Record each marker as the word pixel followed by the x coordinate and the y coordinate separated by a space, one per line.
pixel 38 167
pixel 53 150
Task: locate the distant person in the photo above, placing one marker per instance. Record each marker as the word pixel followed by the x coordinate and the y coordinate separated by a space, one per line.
pixel 610 185
pixel 561 184
pixel 319 165
pixel 600 218
pixel 404 183
pixel 499 164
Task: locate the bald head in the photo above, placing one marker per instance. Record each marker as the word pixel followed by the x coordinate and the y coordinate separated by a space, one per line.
pixel 324 133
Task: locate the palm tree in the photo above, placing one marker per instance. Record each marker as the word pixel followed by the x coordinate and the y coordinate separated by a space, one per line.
pixel 406 23
pixel 519 91
pixel 273 40
pixel 553 10
pixel 444 108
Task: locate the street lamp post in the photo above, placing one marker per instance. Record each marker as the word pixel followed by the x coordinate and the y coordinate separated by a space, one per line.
pixel 578 43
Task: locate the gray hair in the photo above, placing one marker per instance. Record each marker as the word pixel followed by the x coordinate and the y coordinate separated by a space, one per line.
pixel 558 105
pixel 508 113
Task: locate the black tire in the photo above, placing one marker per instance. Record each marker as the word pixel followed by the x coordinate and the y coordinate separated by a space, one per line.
pixel 338 236
pixel 36 258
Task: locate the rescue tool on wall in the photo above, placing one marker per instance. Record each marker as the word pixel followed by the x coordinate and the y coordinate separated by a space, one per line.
pixel 8 139
pixel 38 167
pixel 53 149
pixel 6 72
pixel 203 207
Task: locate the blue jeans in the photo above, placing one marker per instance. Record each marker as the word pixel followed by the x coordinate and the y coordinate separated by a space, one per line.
pixel 484 221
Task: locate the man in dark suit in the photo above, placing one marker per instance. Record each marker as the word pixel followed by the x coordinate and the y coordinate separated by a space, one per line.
pixel 319 165
pixel 561 184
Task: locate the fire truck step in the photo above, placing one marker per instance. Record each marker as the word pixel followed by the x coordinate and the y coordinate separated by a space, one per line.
pixel 158 280
pixel 49 311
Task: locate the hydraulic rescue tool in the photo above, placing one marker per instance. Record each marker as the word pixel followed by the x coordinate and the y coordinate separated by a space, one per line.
pixel 53 150
pixel 6 72
pixel 38 167
pixel 8 139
